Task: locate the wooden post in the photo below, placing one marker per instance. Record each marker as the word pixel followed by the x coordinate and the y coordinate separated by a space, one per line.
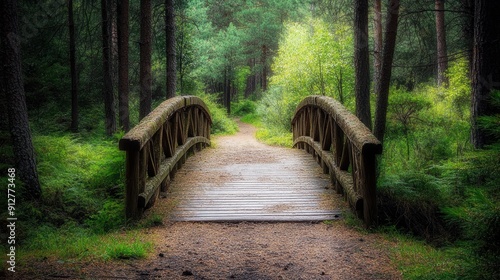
pixel 132 184
pixel 143 170
pixel 153 152
pixel 369 166
pixel 352 166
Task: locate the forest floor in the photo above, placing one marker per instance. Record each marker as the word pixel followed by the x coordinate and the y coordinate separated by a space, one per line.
pixel 244 250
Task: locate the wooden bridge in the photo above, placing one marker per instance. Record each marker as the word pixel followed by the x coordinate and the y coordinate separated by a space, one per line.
pixel 286 188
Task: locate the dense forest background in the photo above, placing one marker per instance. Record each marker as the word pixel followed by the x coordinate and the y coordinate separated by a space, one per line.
pixel 423 74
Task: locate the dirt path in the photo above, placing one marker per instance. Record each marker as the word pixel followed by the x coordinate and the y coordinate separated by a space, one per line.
pixel 193 250
pixel 259 250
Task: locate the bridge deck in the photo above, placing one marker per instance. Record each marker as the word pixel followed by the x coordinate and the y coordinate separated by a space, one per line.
pixel 243 180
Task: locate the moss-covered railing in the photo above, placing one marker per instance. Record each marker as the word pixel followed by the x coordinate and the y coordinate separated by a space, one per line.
pixel 159 145
pixel 345 148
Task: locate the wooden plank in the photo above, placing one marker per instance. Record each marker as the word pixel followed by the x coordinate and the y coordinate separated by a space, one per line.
pixel 291 188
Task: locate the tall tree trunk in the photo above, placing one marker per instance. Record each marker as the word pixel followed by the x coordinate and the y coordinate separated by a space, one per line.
pixel 14 89
pixel 264 68
pixel 180 61
pixel 377 46
pixel 108 96
pixel 382 90
pixel 468 28
pixel 362 62
pixel 485 67
pixel 4 118
pixel 122 11
pixel 72 63
pixel 170 48
pixel 250 82
pixel 442 56
pixel 227 91
pixel 145 56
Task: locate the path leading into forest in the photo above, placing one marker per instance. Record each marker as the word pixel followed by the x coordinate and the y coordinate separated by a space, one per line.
pixel 245 180
pixel 247 250
pixel 257 250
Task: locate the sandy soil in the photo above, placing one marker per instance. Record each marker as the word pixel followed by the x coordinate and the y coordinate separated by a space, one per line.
pixel 186 250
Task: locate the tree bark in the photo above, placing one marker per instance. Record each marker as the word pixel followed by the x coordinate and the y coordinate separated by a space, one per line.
pixel 485 67
pixel 145 57
pixel 108 96
pixel 382 90
pixel 4 118
pixel 377 46
pixel 14 90
pixel 362 62
pixel 468 29
pixel 123 79
pixel 170 48
pixel 227 91
pixel 442 56
pixel 72 63
pixel 264 68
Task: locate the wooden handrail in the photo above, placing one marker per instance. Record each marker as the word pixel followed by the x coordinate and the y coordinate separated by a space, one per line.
pixel 345 148
pixel 159 145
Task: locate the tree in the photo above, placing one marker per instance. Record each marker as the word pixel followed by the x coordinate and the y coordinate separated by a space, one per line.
pixel 362 62
pixel 14 90
pixel 145 76
pixel 170 48
pixel 72 63
pixel 442 56
pixel 485 66
pixel 122 15
pixel 377 46
pixel 382 90
pixel 109 100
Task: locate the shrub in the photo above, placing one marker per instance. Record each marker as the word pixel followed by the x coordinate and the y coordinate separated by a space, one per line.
pixel 110 217
pixel 243 107
pixel 412 201
pixel 221 123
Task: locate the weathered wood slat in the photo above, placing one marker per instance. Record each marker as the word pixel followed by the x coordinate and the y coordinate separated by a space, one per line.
pixel 166 167
pixel 288 186
pixel 344 177
pixel 355 130
pixel 158 146
pixel 319 123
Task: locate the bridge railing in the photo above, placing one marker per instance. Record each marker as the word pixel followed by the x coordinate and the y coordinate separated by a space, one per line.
pixel 345 148
pixel 159 145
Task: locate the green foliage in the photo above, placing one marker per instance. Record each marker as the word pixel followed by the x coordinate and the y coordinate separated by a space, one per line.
pixel 275 111
pixel 74 242
pixel 243 107
pixel 412 201
pixel 110 217
pixel 312 59
pixel 153 220
pixel 253 118
pixel 405 107
pixel 221 123
pixel 457 94
pixel 418 260
pixel 126 251
pixel 77 175
pixel 274 137
pixel 491 124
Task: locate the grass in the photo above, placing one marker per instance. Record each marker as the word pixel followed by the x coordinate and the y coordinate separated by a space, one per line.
pixel 419 260
pixel 72 242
